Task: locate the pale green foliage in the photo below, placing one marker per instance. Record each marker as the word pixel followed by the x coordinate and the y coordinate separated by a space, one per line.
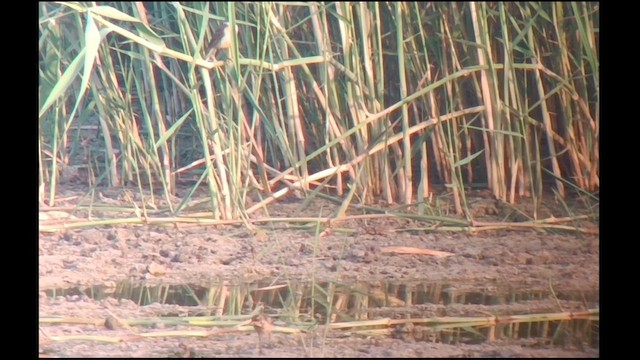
pixel 368 98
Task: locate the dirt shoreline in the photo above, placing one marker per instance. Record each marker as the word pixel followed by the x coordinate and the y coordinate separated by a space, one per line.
pixel 198 254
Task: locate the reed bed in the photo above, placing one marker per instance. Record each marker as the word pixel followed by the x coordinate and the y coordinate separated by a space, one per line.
pixel 365 101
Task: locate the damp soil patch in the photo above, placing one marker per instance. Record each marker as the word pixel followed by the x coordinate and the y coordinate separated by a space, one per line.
pixel 151 272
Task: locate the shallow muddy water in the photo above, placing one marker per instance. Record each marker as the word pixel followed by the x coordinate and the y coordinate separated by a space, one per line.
pixel 153 272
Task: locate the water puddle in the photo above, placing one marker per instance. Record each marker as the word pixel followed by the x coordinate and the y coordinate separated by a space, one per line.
pixel 431 311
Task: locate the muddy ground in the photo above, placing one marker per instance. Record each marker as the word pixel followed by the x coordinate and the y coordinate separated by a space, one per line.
pixel 354 250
